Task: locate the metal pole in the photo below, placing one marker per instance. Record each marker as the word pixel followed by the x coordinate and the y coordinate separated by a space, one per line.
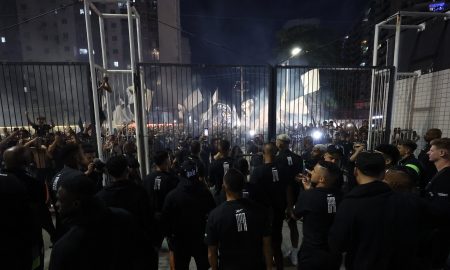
pixel 133 72
pixel 143 94
pixel 105 67
pixel 98 134
pixel 397 43
pixel 372 90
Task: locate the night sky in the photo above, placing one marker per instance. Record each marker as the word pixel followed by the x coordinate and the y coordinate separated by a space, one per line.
pixel 247 28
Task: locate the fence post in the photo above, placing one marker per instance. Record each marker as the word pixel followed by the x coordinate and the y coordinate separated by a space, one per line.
pixel 390 101
pixel 272 89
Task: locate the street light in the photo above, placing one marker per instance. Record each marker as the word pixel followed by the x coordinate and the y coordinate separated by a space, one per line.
pixel 295 51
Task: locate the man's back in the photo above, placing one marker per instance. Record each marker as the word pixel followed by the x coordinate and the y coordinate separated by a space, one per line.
pixel 217 170
pixel 185 210
pixel 237 227
pixel 377 228
pixel 111 240
pixel 268 186
pixel 158 184
pixel 131 197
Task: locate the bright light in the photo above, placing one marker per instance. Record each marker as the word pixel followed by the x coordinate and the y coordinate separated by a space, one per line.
pixel 116 64
pixel 377 117
pixel 317 135
pixel 3 39
pixel 349 125
pixel 174 121
pixel 252 133
pixel 295 51
pixel 83 51
pixel 81 11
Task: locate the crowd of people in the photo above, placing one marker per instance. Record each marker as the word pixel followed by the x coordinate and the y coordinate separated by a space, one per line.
pixel 224 206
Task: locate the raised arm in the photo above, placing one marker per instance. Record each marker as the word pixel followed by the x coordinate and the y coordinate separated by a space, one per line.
pixel 30 122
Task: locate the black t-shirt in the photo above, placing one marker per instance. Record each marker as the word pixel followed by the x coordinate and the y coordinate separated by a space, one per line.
pixel 438 192
pixel 317 207
pixel 217 170
pixel 268 186
pixel 158 184
pixel 289 162
pixel 237 228
pixel 185 212
pixel 41 130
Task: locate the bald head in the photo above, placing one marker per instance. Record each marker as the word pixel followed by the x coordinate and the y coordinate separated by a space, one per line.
pixel 16 157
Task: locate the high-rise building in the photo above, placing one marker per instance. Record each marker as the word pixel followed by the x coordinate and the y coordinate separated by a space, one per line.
pixel 60 36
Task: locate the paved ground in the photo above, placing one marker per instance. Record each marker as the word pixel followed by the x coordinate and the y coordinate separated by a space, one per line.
pixel 164 255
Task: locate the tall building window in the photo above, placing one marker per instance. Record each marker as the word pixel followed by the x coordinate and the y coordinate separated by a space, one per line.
pixel 81 11
pixel 3 39
pixel 116 64
pixel 83 51
pixel 65 36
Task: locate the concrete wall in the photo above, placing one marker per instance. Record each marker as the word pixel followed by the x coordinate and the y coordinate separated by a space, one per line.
pixel 422 103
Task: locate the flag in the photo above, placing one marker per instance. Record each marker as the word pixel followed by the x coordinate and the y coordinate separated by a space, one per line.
pixel 193 99
pixel 215 97
pixel 310 81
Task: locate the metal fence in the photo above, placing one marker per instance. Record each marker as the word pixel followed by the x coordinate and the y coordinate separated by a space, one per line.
pixel 240 103
pixel 198 100
pixel 321 101
pixel 59 92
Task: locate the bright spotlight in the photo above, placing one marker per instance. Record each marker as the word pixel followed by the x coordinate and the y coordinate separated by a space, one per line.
pixel 252 133
pixel 295 51
pixel 317 135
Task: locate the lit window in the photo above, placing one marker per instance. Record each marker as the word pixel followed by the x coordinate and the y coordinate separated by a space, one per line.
pixel 81 11
pixel 3 39
pixel 116 64
pixel 83 51
pixel 363 64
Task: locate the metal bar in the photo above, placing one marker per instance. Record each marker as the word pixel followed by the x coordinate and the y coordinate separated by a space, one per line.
pixel 101 25
pixel 94 8
pixel 116 16
pixel 143 92
pixel 133 71
pixel 390 103
pixel 120 70
pixel 397 41
pixel 403 27
pixel 93 83
pixel 407 74
pixel 422 14
pixel 372 89
pixel 272 104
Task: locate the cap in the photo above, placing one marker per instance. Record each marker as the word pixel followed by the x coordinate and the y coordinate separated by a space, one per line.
pixel 189 170
pixel 370 162
pixel 284 138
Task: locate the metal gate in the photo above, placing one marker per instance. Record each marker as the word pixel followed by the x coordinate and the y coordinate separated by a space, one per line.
pixel 322 102
pixel 59 92
pixel 176 102
pixel 185 101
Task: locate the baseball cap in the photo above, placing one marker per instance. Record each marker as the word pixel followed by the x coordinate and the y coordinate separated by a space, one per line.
pixel 284 138
pixel 189 170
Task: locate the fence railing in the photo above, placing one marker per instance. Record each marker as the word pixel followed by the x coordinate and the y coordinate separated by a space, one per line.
pixel 240 103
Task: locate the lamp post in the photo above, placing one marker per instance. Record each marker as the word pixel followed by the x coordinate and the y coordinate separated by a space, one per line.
pixel 294 52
